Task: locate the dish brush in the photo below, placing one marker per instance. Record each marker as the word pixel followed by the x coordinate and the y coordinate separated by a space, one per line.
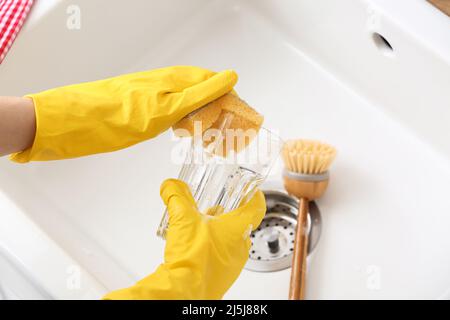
pixel 306 177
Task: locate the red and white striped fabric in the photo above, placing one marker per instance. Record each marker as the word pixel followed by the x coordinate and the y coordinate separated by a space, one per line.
pixel 12 16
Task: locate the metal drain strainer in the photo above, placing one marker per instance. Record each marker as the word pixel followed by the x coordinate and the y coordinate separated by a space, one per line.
pixel 273 241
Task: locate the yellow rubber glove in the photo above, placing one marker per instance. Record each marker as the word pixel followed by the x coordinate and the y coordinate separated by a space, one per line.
pixel 204 255
pixel 115 113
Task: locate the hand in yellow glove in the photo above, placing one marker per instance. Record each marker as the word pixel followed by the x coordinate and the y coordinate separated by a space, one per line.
pixel 115 113
pixel 204 255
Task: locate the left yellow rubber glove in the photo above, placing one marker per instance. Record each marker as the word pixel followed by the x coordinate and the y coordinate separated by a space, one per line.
pixel 115 113
pixel 204 255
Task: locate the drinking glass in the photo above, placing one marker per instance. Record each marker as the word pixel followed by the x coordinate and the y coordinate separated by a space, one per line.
pixel 221 179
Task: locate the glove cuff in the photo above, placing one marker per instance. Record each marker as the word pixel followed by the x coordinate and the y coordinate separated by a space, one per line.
pixel 164 284
pixel 26 155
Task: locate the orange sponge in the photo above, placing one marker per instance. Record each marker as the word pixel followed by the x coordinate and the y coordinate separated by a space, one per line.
pixel 206 115
pixel 238 122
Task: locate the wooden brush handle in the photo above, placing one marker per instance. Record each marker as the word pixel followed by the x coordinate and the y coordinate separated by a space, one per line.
pixel 298 272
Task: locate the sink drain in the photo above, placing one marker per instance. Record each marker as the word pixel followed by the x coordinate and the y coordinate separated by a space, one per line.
pixel 273 241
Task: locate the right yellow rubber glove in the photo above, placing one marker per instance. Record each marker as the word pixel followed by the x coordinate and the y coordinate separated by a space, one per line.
pixel 204 255
pixel 115 113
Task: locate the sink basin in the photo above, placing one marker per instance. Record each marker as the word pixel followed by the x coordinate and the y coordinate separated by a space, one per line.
pixel 369 77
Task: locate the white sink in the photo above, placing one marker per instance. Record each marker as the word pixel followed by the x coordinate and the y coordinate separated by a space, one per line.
pixel 84 226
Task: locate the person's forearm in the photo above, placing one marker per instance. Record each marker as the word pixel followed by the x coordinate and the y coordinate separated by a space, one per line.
pixel 17 124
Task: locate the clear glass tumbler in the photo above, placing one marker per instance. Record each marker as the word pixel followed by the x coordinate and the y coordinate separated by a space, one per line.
pixel 221 180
